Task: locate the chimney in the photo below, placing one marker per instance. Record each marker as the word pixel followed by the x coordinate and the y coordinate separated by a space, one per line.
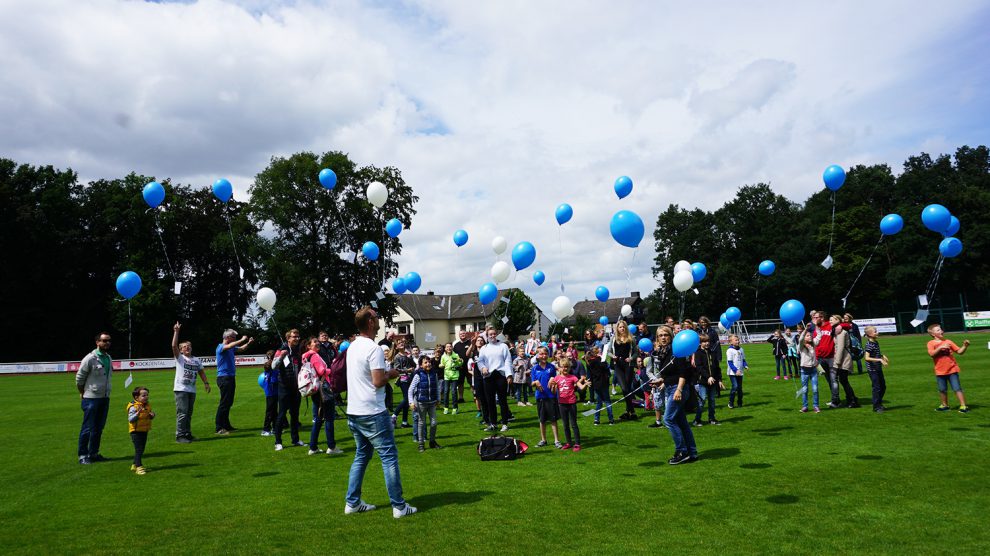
pixel 633 294
pixel 430 293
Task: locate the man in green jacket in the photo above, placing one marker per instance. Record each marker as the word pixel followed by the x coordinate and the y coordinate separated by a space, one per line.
pixel 93 382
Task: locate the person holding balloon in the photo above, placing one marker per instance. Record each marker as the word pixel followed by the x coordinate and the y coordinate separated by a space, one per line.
pixel 269 383
pixel 187 368
pixel 622 354
pixel 227 377
pixel 671 369
pixel 288 362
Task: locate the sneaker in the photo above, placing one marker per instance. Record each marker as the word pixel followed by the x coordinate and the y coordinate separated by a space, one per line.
pixel 421 447
pixel 133 467
pixel 490 428
pixel 655 425
pixel 692 459
pixel 677 459
pixel 314 452
pixel 963 409
pixel 97 458
pixel 730 406
pixel 407 510
pixel 714 422
pixel 266 433
pixel 84 460
pixel 611 421
pixel 278 447
pixel 880 410
pixel 140 470
pixel 435 446
pixel 566 446
pixel 817 410
pixel 558 445
pixel 477 415
pixel 853 405
pixel 541 443
pixel 633 417
pixel 520 404
pixel 597 423
pixel 183 440
pixel 446 411
pixel 697 424
pixel 942 407
pixel 394 419
pixel 503 429
pixel 361 507
pixel 454 411
pixel 832 405
pixel 404 425
pixel 298 443
pixel 223 432
pixel 776 378
pixel 804 409
pixel 576 448
pixel 334 451
pixel 785 378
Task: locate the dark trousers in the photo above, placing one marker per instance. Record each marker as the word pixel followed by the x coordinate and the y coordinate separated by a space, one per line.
pixel 737 390
pixel 323 416
pixel 227 385
pixel 288 402
pixel 568 413
pixel 271 413
pixel 624 374
pixel 389 397
pixel 94 419
pixel 843 376
pixel 140 440
pixel 497 385
pixel 879 387
pixel 481 395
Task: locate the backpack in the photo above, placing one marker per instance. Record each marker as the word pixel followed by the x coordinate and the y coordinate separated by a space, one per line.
pixel 307 380
pixel 500 448
pixel 855 348
pixel 338 373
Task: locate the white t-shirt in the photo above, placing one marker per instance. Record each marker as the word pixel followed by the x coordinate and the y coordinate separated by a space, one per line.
pixel 363 398
pixel 186 371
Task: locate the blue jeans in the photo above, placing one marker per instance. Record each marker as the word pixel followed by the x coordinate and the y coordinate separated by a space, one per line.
pixel 323 416
pixel 677 423
pixel 706 393
pixel 736 390
pixel 374 433
pixel 450 393
pixel 943 381
pixel 94 419
pixel 809 374
pixel 605 399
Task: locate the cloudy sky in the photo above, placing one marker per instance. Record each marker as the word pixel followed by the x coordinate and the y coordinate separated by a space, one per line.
pixel 496 112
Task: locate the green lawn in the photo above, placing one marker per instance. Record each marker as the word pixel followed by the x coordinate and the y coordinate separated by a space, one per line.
pixel 770 479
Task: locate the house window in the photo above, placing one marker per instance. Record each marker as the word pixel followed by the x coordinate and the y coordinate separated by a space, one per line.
pixel 403 329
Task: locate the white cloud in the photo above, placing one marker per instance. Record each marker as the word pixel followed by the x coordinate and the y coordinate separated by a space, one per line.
pixel 495 112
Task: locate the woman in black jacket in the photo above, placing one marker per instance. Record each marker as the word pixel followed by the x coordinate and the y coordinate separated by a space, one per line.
pixel 677 377
pixel 779 343
pixel 622 358
pixel 288 361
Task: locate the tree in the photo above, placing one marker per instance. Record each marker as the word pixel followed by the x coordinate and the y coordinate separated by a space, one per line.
pixel 310 261
pixel 521 312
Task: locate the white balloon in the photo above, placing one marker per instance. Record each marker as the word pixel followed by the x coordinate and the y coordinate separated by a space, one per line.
pixel 680 266
pixel 377 193
pixel 562 307
pixel 683 280
pixel 499 245
pixel 626 310
pixel 721 328
pixel 501 271
pixel 266 298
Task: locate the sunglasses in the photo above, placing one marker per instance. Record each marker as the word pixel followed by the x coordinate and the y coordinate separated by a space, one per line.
pixel 662 335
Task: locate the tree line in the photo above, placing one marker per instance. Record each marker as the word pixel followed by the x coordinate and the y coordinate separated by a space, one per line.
pixel 758 224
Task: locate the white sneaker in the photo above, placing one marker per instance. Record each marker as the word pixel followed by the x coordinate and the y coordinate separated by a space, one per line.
pixel 266 433
pixel 298 443
pixel 504 428
pixel 314 452
pixel 334 451
pixel 408 510
pixel 278 447
pixel 361 507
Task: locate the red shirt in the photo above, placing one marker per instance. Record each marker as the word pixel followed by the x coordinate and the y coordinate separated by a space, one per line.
pixel 945 363
pixel 826 345
pixel 566 389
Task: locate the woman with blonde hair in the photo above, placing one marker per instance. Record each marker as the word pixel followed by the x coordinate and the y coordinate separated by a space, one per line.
pixel 622 357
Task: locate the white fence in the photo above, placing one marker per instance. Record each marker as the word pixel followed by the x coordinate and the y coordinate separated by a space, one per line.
pixel 120 365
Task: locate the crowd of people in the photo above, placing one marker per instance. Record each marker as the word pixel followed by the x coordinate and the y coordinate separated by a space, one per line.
pixel 558 375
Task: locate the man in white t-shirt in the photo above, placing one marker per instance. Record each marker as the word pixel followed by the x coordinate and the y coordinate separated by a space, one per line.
pixel 368 418
pixel 186 369
pixel 495 362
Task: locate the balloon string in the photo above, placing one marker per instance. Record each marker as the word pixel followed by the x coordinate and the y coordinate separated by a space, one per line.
pixel 866 264
pixel 756 298
pixel 271 317
pixel 129 329
pixel 233 244
pixel 560 262
pixel 164 250
pixel 680 314
pixel 831 231
pixel 933 283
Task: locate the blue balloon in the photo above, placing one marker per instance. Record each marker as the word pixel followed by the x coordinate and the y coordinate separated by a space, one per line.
pixel 328 179
pixel 261 380
pixel 488 293
pixel 699 271
pixel 953 228
pixel 834 176
pixel 344 345
pixel 223 190
pixel 370 250
pixel 564 213
pixel 950 247
pixel 733 314
pixel 601 293
pixel 645 345
pixel 523 255
pixel 936 218
pixel 128 284
pixel 603 320
pixel 153 194
pixel 460 238
pixel 399 286
pixel 627 228
pixel 891 224
pixel 632 329
pixel 685 343
pixel 393 227
pixel 539 277
pixel 623 186
pixel 767 268
pixel 792 312
pixel 413 281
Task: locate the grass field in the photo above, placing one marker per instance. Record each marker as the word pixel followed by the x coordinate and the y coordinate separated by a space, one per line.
pixel 770 479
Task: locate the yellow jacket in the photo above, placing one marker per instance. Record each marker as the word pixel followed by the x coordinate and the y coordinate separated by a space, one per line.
pixel 138 417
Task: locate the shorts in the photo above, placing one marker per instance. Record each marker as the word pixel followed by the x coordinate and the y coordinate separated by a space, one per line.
pixel 658 398
pixel 547 410
pixel 944 381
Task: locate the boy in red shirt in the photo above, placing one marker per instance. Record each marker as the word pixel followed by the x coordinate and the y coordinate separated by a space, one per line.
pixel 946 368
